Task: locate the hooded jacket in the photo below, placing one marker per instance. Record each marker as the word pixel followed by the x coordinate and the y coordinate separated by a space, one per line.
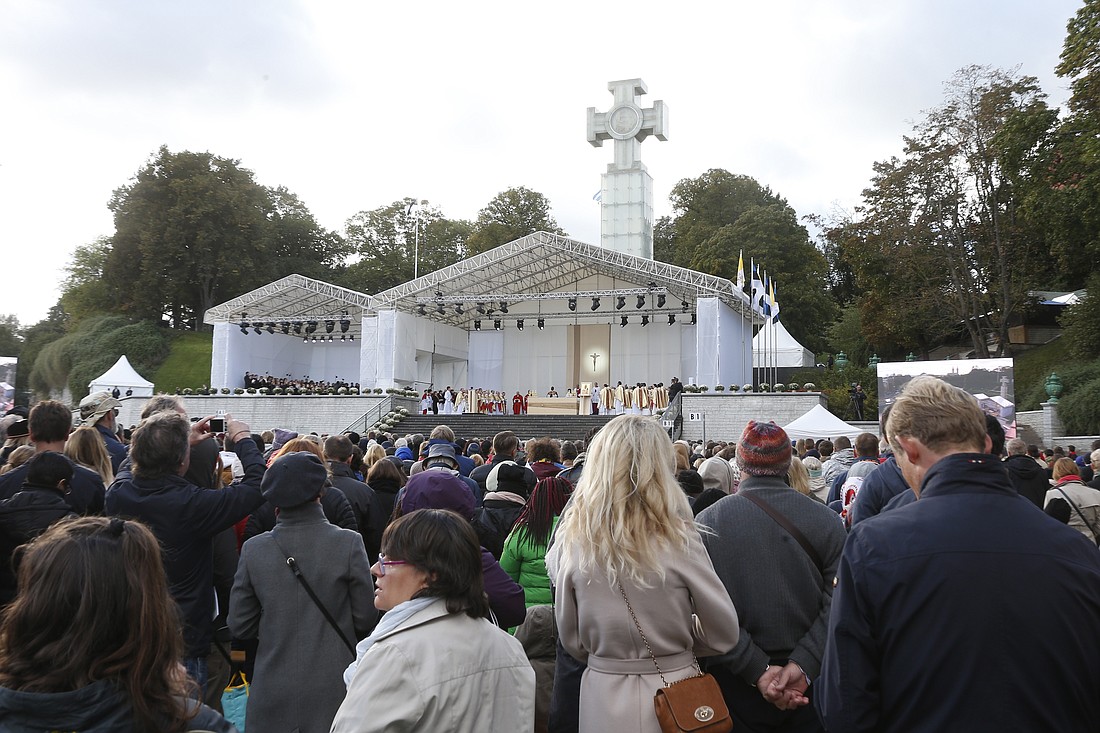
pixel 1029 478
pixel 98 708
pixel 22 518
pixel 839 462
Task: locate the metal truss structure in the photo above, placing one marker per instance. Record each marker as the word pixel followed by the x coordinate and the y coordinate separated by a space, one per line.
pixel 537 275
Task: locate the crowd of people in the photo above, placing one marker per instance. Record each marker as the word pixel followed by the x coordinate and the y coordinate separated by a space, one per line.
pixel 486 583
pixel 603 399
pixel 258 381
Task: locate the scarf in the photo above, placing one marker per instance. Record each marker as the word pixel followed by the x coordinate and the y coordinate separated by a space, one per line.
pixel 390 621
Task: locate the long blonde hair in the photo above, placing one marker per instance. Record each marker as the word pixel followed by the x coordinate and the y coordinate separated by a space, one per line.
pixel 85 447
pixel 374 454
pixel 628 512
pixel 798 476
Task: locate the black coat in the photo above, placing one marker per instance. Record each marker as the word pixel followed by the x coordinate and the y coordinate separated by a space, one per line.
pixel 1028 478
pixel 359 495
pixel 22 518
pixel 86 488
pixel 337 510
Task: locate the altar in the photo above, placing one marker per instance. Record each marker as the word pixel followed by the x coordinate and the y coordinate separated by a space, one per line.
pixel 552 406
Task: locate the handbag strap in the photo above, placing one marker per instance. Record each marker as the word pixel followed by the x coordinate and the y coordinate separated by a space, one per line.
pixel 792 530
pixel 645 641
pixel 293 565
pixel 1072 503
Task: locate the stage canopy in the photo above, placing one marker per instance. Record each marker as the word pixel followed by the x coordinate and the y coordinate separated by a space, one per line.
pixel 820 423
pixel 123 376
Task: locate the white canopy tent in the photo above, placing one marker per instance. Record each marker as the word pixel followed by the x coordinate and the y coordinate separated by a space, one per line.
pixel 774 346
pixel 123 376
pixel 820 423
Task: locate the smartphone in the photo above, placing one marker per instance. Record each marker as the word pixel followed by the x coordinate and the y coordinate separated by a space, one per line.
pixel 217 423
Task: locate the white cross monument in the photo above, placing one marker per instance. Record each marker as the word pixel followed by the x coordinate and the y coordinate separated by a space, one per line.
pixel 626 193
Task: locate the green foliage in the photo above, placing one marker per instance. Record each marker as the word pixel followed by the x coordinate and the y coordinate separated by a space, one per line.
pixel 187 363
pixel 1081 57
pixel 78 357
pixel 85 291
pixel 846 334
pixel 1079 410
pixel 511 214
pixel 386 241
pixel 11 343
pixel 1032 367
pixel 1082 322
pixel 835 383
pixel 194 229
pixel 1074 375
pixel 719 216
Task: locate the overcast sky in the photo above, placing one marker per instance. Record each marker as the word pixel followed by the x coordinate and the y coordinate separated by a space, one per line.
pixel 353 105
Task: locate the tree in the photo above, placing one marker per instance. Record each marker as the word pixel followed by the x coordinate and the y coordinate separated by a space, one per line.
pixel 11 343
pixel 85 290
pixel 194 229
pixel 511 214
pixel 385 242
pixel 940 231
pixel 720 216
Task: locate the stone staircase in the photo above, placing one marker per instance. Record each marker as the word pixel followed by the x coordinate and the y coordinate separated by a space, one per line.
pixel 563 427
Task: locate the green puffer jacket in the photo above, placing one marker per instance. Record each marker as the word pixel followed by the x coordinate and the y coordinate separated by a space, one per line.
pixel 526 564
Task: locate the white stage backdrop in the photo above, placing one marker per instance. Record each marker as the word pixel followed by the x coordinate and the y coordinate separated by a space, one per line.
pixel 486 359
pixel 278 355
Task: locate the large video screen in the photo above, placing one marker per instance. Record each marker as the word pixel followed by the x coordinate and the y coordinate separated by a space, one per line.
pixel 991 382
pixel 8 366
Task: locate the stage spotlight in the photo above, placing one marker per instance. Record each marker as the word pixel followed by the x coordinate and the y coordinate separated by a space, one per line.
pixel 595 304
pixel 622 321
pixel 305 339
pixel 244 327
pixel 421 311
pixel 684 306
pixel 439 309
pixel 496 325
pixel 645 320
pixel 298 327
pixel 329 326
pixel 311 326
pixel 345 324
pixel 503 307
pixel 313 340
pixel 477 325
pixel 271 328
pixel 693 319
pixel 671 318
pixel 342 338
pixel 572 304
pixel 620 302
pixel 519 324
pixel 542 324
pixel 458 308
pixel 330 339
pixel 481 308
pixel 257 326
pixel 660 300
pixel 284 327
pixel 351 337
pixel 641 301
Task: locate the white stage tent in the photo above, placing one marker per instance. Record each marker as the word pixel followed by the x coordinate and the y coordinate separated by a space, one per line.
pixel 774 346
pixel 820 423
pixel 541 311
pixel 122 376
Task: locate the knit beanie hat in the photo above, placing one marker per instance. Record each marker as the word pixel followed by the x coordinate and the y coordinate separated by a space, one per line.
pixel 764 450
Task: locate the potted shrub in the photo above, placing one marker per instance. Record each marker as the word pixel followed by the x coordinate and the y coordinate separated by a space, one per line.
pixel 719 388
pixel 238 390
pixel 780 387
pixel 793 387
pixel 188 390
pixel 378 390
pixel 735 388
pixel 809 387
pixel 765 387
pixel 342 390
pixel 225 390
pixel 746 388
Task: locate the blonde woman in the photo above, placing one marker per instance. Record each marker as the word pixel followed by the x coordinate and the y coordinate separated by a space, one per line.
pixel 85 448
pixel 17 458
pixel 373 455
pixel 628 532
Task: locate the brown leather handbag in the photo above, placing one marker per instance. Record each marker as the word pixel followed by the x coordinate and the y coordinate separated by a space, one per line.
pixel 692 705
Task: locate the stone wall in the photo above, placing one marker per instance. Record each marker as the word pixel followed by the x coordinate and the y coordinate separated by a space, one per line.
pixel 300 413
pixel 725 414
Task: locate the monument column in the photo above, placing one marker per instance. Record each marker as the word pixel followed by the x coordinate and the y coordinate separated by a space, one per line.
pixel 626 192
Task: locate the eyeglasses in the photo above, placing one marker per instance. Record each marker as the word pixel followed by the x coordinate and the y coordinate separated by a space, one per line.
pixel 383 562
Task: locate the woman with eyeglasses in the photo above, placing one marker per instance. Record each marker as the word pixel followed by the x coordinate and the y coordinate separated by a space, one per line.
pixel 627 546
pixel 435 662
pixel 92 641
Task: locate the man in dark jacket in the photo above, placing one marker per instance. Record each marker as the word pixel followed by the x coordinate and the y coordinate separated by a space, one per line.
pixel 923 603
pixel 1027 477
pixel 338 454
pixel 185 517
pixel 49 424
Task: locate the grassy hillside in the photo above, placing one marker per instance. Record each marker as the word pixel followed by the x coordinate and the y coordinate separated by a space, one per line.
pixel 1032 367
pixel 188 362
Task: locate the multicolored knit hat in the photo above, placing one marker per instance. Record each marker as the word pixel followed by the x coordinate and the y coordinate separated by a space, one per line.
pixel 764 450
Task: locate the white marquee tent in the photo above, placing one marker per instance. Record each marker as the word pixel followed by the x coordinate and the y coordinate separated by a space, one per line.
pixel 820 423
pixel 774 346
pixel 123 376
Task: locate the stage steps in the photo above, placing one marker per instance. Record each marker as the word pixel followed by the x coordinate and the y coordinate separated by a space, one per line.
pixel 563 427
